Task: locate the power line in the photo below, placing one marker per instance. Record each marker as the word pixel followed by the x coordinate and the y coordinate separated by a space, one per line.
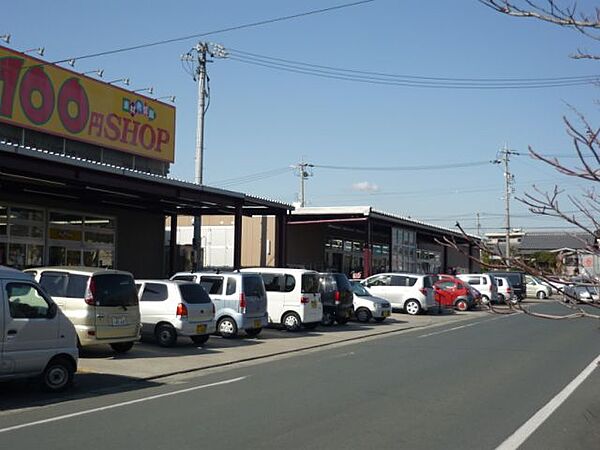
pixel 218 31
pixel 408 80
pixel 405 168
pixel 259 176
pixel 288 62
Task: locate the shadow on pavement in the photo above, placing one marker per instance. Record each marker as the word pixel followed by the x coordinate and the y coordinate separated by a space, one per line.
pixel 20 394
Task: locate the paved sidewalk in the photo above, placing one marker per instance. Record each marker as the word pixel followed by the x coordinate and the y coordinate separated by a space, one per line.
pixel 149 361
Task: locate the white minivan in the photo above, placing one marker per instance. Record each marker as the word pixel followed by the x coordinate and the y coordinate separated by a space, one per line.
pixel 293 298
pixel 36 339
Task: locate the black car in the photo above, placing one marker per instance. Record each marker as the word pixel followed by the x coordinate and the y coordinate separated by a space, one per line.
pixel 337 298
pixel 517 281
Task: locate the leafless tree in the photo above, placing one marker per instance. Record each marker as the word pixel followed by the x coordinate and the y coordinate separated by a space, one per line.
pixel 586 145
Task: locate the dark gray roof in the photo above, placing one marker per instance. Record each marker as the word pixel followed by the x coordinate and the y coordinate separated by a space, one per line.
pixel 555 241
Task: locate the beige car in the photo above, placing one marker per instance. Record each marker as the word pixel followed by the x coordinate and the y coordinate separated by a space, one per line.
pixel 101 303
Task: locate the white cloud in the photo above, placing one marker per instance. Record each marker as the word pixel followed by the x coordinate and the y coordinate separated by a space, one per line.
pixel 365 186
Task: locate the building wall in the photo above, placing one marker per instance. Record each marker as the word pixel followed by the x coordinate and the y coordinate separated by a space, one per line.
pixel 140 237
pixel 306 245
pixel 258 239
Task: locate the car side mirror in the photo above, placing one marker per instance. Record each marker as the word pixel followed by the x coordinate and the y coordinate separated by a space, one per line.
pixel 52 311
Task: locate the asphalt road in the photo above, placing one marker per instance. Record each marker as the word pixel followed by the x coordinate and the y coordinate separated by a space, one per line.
pixel 462 386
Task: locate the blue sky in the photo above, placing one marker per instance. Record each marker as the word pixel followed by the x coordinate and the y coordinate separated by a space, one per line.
pixel 261 119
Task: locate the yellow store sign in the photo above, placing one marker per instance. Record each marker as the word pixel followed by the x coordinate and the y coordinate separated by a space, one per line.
pixel 44 97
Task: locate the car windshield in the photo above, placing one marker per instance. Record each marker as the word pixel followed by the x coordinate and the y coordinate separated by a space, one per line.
pixel 359 289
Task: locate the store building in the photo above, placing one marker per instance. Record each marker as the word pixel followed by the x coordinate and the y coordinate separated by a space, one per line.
pixel 83 168
pixel 363 241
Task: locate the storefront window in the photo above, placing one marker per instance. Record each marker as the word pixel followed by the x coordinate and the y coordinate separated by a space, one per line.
pixel 100 238
pixel 27 214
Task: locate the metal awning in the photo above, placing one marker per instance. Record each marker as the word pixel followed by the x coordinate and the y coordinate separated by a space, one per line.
pixel 52 175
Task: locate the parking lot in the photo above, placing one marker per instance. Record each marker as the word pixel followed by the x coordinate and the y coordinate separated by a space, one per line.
pixel 148 361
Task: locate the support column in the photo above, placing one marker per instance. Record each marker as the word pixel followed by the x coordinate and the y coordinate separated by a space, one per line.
pixel 368 251
pixel 173 246
pixel 281 240
pixel 391 241
pixel 237 238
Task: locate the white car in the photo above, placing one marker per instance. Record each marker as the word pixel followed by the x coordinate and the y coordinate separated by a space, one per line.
pixel 505 290
pixel 36 338
pixel 367 306
pixel 293 298
pixel 410 292
pixel 170 309
pixel 484 283
pixel 537 288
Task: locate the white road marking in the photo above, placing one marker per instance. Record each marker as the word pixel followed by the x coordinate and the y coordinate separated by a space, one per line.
pixel 117 405
pixel 516 439
pixel 465 326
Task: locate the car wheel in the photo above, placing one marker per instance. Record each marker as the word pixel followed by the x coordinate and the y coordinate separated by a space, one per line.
pixel 165 335
pixel 200 339
pixel 253 332
pixel 227 328
pixel 327 319
pixel 342 320
pixel 412 307
pixel 58 375
pixel 291 321
pixel 311 325
pixel 541 295
pixel 379 319
pixel 501 298
pixel 121 347
pixel 462 305
pixel 363 315
pixel 485 300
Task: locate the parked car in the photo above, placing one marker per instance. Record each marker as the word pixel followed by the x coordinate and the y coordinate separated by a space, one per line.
pixel 336 297
pixel 587 293
pixel 170 309
pixel 537 288
pixel 411 293
pixel 367 306
pixel 484 283
pixel 505 290
pixel 240 300
pixel 517 281
pixel 451 292
pixel 36 339
pixel 101 303
pixel 293 298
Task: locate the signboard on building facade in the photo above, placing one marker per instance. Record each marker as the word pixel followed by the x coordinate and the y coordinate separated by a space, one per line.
pixel 53 100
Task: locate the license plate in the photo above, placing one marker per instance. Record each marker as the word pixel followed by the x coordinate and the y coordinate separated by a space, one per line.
pixel 119 321
pixel 313 303
pixel 386 314
pixel 200 329
pixel 257 324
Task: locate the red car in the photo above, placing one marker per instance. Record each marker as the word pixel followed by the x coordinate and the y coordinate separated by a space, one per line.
pixel 451 292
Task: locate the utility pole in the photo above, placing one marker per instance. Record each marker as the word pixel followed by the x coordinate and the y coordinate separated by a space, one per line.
pixel 304 170
pixel 509 179
pixel 202 51
pixel 478 224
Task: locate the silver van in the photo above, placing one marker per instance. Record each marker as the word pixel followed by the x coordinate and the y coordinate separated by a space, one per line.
pixel 240 300
pixel 101 303
pixel 36 339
